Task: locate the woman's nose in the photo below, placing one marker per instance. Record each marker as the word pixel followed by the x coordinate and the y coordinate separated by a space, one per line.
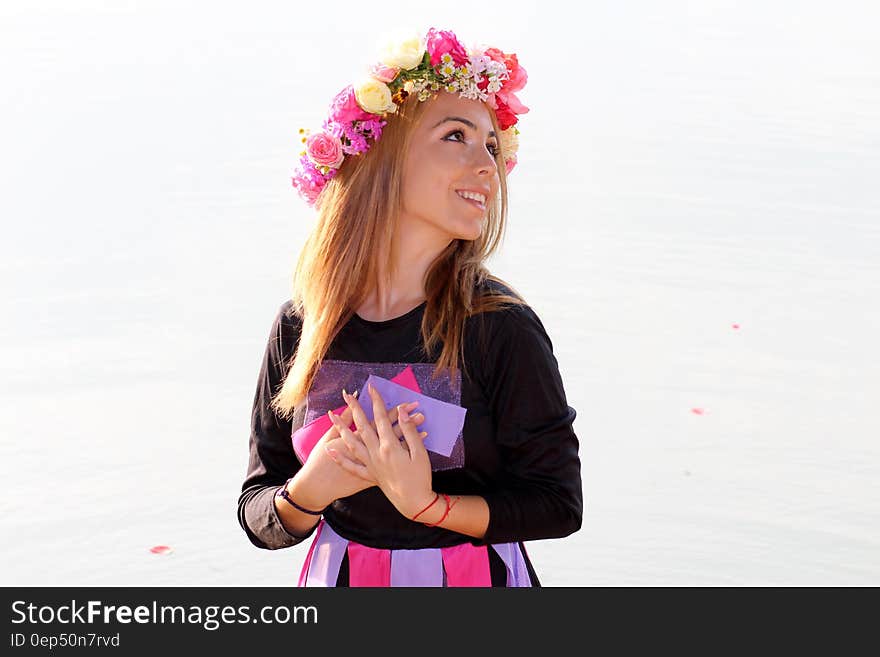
pixel 485 162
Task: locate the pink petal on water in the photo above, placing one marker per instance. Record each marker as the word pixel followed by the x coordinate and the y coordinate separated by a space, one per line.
pixel 698 411
pixel 161 549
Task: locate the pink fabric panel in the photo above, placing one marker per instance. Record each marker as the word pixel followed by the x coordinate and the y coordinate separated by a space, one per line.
pixel 305 567
pixel 467 565
pixel 305 438
pixel 407 379
pixel 368 566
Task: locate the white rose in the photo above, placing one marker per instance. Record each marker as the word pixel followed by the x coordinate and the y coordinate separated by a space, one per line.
pixel 374 96
pixel 509 142
pixel 405 54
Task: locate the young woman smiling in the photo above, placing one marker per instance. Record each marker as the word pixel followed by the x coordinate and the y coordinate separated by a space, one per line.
pixel 392 283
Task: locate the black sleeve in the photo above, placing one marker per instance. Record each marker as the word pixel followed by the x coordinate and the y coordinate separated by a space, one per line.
pixel 271 459
pixel 540 495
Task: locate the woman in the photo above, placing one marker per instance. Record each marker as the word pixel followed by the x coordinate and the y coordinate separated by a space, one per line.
pixel 409 176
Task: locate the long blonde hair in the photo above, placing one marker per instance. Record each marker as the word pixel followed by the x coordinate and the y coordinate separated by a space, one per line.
pixel 358 210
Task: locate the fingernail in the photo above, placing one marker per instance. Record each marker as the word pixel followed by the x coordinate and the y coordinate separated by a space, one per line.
pixel 402 414
pixel 331 414
pixel 370 388
pixel 355 394
pixel 344 395
pixel 423 434
pixel 411 405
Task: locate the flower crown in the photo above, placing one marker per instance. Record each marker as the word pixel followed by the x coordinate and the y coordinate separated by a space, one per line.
pixel 412 66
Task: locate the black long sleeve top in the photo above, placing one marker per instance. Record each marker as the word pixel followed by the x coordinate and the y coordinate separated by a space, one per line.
pixel 517 449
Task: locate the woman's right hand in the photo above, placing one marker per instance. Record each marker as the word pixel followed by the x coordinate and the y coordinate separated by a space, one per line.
pixel 322 480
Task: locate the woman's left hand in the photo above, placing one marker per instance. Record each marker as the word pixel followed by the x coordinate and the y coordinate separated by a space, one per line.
pixel 401 470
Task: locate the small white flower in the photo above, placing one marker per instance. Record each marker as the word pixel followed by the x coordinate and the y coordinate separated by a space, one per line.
pixel 479 63
pixel 499 69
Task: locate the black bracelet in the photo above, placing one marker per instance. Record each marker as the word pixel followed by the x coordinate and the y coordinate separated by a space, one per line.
pixel 282 493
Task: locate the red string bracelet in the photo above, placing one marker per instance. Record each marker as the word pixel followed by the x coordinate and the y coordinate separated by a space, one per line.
pixel 446 513
pixel 436 497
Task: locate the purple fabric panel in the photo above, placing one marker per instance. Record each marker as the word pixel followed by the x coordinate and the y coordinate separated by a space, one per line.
pixel 517 573
pixel 443 421
pixel 305 567
pixel 417 567
pixel 327 558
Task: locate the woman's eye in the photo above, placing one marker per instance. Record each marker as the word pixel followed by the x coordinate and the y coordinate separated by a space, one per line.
pixel 456 132
pixel 493 149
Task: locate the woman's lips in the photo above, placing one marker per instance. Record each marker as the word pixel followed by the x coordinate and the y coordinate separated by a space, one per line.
pixel 472 202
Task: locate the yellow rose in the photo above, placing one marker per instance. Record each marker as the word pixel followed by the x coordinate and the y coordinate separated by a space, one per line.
pixel 374 96
pixel 509 142
pixel 406 53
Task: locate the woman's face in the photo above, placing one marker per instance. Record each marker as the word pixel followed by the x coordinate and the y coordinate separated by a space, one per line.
pixel 451 151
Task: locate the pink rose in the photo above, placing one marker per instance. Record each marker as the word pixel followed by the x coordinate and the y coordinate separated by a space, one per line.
pixel 324 150
pixel 494 54
pixel 344 108
pixel 440 42
pixel 512 102
pixel 509 163
pixel 517 80
pixel 384 73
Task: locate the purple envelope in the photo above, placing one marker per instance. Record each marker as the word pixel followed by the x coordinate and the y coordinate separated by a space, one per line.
pixel 443 421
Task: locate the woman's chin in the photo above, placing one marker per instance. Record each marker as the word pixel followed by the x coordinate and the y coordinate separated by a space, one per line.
pixel 470 230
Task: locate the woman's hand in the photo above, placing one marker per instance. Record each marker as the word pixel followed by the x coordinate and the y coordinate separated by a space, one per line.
pixel 401 469
pixel 322 479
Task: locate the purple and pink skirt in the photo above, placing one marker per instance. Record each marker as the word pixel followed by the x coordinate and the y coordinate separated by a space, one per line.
pixel 459 565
